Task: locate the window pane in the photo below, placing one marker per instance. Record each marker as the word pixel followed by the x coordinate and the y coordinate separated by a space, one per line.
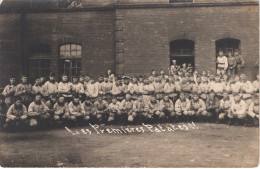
pixel 73 53
pixel 67 47
pixel 62 54
pixel 67 54
pixel 79 63
pixel 79 53
pixel 182 51
pixel 44 64
pixel 39 67
pixel 78 47
pixel 67 72
pixel 74 71
pixel 62 48
pixel 73 47
pixel 71 67
pixel 76 63
pixel 70 51
pixel 45 72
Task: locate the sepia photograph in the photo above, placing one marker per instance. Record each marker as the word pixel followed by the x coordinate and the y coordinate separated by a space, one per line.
pixel 129 83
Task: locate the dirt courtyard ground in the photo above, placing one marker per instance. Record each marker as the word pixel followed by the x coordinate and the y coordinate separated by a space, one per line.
pixel 202 145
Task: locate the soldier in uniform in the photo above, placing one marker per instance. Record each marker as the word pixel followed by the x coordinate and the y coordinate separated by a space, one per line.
pixel 222 63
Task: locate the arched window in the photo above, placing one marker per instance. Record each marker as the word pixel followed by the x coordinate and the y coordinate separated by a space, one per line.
pixel 39 60
pixel 227 44
pixel 182 51
pixel 70 59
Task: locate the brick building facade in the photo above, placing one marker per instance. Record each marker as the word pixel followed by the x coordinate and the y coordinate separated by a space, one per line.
pixel 130 37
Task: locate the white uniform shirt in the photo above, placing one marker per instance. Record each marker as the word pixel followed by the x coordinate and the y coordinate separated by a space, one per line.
pixel 222 62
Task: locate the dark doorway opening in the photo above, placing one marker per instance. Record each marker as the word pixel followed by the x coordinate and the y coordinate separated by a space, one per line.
pixel 227 44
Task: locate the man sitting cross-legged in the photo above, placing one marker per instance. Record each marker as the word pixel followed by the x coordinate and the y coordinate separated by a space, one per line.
pixel 61 110
pixel 16 114
pixel 167 108
pixel 238 110
pixel 38 111
pixel 101 110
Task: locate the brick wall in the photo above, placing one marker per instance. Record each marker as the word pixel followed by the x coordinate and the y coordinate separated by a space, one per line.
pixel 129 40
pixel 148 32
pixel 93 30
pixel 9 47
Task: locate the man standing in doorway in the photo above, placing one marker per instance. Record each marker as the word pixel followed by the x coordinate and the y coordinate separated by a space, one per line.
pixel 222 63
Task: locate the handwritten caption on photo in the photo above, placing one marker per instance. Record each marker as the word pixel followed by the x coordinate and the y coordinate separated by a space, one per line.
pixel 152 128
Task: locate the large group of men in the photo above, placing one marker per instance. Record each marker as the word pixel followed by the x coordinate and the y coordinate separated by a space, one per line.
pixel 180 95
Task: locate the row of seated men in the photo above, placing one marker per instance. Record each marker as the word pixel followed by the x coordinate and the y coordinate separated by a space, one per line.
pixel 152 89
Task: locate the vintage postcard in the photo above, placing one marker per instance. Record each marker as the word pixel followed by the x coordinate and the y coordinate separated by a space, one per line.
pixel 129 83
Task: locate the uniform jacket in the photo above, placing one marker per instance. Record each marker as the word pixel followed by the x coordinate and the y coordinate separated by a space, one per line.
pixel 182 105
pixel 114 107
pixel 78 88
pixel 195 88
pixel 140 87
pixel 158 87
pixel 222 62
pixel 253 108
pixel 204 87
pixel 37 108
pixel 196 105
pixel 255 85
pixel 225 104
pixel 239 107
pixel 106 87
pixel 138 106
pixel 177 86
pixel 64 87
pixel 99 86
pixel 21 87
pixel 235 87
pixel 133 88
pixel 12 111
pixel 148 88
pixel 169 88
pixel 78 108
pixel 9 90
pixel 92 90
pixel 232 62
pixel 186 87
pixel 246 88
pixel 60 109
pixel 111 78
pixel 124 88
pixel 88 108
pixel 154 106
pixel 212 103
pixel 126 104
pixel 217 87
pixel 50 88
pixel 101 106
pixel 115 90
pixel 37 89
pixel 166 105
pixel 226 86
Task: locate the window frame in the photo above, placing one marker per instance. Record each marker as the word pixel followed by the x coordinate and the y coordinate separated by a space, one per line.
pixel 190 55
pixel 70 58
pixel 38 70
pixel 39 53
